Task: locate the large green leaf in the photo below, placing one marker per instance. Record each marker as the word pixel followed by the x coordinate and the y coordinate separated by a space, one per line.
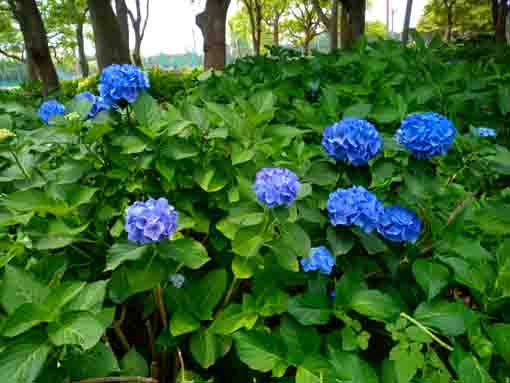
pixel 22 360
pixel 182 322
pixel 260 351
pixel 314 369
pixel 233 318
pixel 210 289
pixel 207 347
pixel 299 340
pixel 90 298
pixel 310 309
pixel 349 367
pixel 375 304
pixel 25 317
pixel 431 276
pixel 187 251
pixel 500 336
pixel 121 252
pixel 61 295
pixel 295 238
pixel 20 287
pixel 76 328
pixel 134 364
pixel 360 110
pixel 451 318
pixel 98 362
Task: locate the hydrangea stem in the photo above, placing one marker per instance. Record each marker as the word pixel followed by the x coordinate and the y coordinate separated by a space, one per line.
pixel 426 331
pixel 158 295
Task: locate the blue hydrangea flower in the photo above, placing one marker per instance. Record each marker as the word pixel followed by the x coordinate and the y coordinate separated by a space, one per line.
pixel 426 134
pixel 276 186
pixel 177 280
pixel 332 295
pixel 353 140
pixel 354 206
pixel 150 221
pixel 398 224
pixel 485 132
pixel 319 259
pixel 122 82
pixel 49 109
pixel 98 104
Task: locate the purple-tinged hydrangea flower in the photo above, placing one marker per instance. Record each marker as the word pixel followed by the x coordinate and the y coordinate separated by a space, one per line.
pixel 319 259
pixel 98 104
pixel 177 280
pixel 398 224
pixel 49 109
pixel 485 132
pixel 353 140
pixel 150 221
pixel 276 187
pixel 426 134
pixel 354 206
pixel 122 82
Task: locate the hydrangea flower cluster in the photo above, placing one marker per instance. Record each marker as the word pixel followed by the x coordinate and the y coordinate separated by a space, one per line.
pixel 150 221
pixel 354 206
pixel 122 82
pixel 398 224
pixel 319 259
pixel 50 109
pixel 485 132
pixel 98 104
pixel 426 135
pixel 353 140
pixel 177 280
pixel 276 187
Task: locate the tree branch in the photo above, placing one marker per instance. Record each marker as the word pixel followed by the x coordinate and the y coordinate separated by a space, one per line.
pixel 10 55
pixel 142 34
pixel 325 19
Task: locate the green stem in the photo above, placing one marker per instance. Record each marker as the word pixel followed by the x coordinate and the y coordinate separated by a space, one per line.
pixel 20 165
pixel 426 331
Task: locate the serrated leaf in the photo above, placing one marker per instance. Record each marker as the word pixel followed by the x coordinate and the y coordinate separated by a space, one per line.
pixel 122 252
pixel 207 347
pixel 375 304
pixel 260 351
pixel 431 276
pixel 76 328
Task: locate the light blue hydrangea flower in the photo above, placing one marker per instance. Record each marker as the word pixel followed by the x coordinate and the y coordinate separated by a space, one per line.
pixel 485 132
pixel 177 280
pixel 49 109
pixel 354 206
pixel 398 224
pixel 150 221
pixel 426 135
pixel 276 187
pixel 353 140
pixel 320 259
pixel 98 104
pixel 122 82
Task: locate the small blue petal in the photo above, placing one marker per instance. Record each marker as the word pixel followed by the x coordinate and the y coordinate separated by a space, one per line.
pixel 485 132
pixel 49 109
pixel 320 259
pixel 177 280
pixel 276 187
pixel 98 104
pixel 398 224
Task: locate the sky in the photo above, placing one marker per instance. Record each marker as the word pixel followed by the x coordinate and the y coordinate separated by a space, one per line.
pixel 171 28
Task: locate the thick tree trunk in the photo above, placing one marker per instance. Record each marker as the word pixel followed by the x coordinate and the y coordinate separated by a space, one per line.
pixel 407 22
pixel 82 57
pixel 212 23
pixel 36 42
pixel 333 27
pixel 501 15
pixel 31 69
pixel 306 46
pixel 353 21
pixel 110 45
pixel 121 10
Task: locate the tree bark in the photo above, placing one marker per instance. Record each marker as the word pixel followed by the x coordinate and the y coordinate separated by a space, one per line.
pixel 121 10
pixel 139 30
pixel 110 45
pixel 331 22
pixel 36 42
pixel 407 22
pixel 82 57
pixel 276 32
pixel 212 22
pixel 31 69
pixel 353 21
pixel 500 14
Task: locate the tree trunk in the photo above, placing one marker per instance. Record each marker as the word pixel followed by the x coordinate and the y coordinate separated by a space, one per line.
pixel 122 18
pixel 407 22
pixel 82 57
pixel 449 27
pixel 31 70
pixel 353 21
pixel 276 32
pixel 306 46
pixel 212 23
pixel 110 45
pixel 333 27
pixel 501 18
pixel 137 57
pixel 36 42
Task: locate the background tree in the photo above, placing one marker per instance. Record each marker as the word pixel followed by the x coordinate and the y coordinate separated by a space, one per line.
pixel 110 45
pixel 240 34
pixel 35 40
pixel 121 10
pixel 212 22
pixel 352 21
pixel 499 18
pixel 304 24
pixel 329 19
pixel 407 21
pixel 11 39
pixel 376 29
pixel 139 26
pixel 273 13
pixel 254 10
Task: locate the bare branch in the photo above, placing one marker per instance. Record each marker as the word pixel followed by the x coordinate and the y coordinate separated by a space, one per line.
pixel 325 19
pixel 142 34
pixel 11 55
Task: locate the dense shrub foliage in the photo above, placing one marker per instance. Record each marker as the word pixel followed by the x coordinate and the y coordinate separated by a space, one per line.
pixel 287 264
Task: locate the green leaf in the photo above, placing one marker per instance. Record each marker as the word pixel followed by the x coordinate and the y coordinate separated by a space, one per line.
pixel 22 360
pixel 179 150
pixel 504 100
pixel 97 362
pixel 500 335
pixel 451 318
pixel 91 298
pixel 322 174
pixel 349 367
pixel 207 347
pixel 146 109
pixel 293 237
pixel 20 287
pixel 371 242
pixel 25 317
pixel 375 304
pixel 300 341
pixel 233 318
pixel 243 267
pixel 431 276
pixel 359 110
pixel 247 242
pixel 76 328
pixel 182 323
pixel 407 362
pixel 130 144
pixel 310 309
pixel 271 301
pixel 315 369
pixel 62 295
pixel 187 251
pixel 122 252
pixel 260 351
pixel 241 155
pixel 210 289
pixel 134 364
pixel 211 179
pixel 339 241
pixel 471 371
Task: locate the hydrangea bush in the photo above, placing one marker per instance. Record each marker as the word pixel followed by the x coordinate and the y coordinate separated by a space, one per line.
pixel 163 241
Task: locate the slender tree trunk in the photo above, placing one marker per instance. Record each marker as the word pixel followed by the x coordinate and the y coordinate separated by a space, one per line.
pixel 36 42
pixel 407 22
pixel 276 32
pixel 137 57
pixel 306 46
pixel 501 18
pixel 449 27
pixel 358 10
pixel 110 45
pixel 121 10
pixel 212 23
pixel 82 57
pixel 333 26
